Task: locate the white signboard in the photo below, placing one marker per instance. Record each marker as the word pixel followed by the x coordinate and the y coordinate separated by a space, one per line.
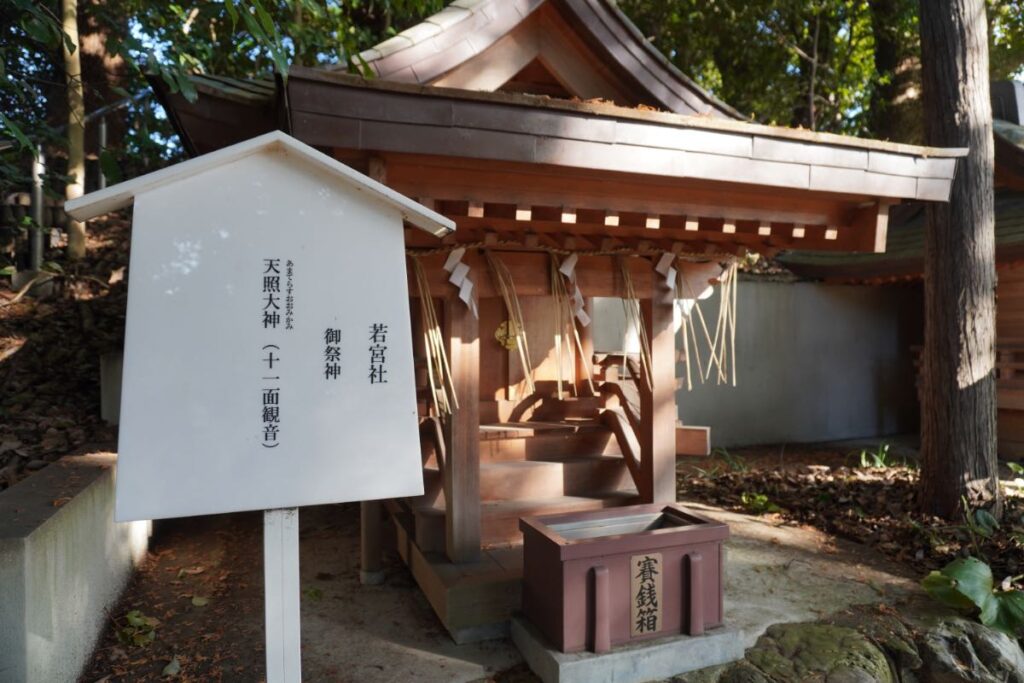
pixel 268 352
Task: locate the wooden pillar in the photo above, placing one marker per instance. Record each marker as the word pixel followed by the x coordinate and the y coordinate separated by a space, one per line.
pixel 462 435
pixel 601 628
pixel 370 571
pixel 658 407
pixel 587 353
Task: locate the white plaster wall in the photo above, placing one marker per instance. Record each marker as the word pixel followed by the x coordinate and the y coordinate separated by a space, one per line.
pixel 58 579
pixel 815 363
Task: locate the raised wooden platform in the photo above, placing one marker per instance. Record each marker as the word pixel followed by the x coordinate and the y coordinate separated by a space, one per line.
pixel 473 600
pixel 526 468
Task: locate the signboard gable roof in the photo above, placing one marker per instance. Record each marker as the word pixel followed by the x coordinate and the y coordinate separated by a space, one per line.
pixel 123 194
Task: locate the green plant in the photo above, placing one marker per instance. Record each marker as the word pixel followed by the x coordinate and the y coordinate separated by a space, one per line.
pixel 758 503
pixel 137 629
pixel 979 523
pixel 1016 468
pixel 733 462
pixel 709 473
pixel 966 584
pixel 877 458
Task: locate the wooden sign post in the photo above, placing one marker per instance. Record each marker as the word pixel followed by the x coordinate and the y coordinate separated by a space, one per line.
pixel 268 351
pixel 281 594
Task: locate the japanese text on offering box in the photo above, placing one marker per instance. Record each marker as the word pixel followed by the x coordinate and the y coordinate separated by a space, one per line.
pixel 645 590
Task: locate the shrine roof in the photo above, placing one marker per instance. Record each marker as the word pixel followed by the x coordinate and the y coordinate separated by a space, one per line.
pixel 458 34
pixel 904 254
pixel 339 110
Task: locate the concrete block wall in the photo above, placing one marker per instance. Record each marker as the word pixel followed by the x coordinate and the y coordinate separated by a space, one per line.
pixel 63 563
pixel 816 362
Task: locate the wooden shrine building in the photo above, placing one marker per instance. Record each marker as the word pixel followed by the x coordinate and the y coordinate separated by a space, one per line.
pixel 577 162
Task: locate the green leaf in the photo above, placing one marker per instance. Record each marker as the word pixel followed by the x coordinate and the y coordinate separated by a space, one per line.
pixel 1009 613
pixel 943 589
pixel 173 667
pixel 108 164
pixel 69 44
pixel 135 618
pixel 985 523
pixel 229 5
pixel 38 31
pixel 973 579
pixel 188 89
pixel 7 271
pixel 15 130
pixel 264 17
pixel 53 267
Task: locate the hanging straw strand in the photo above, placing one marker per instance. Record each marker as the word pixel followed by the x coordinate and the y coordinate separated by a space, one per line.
pixel 634 316
pixel 439 374
pixel 507 288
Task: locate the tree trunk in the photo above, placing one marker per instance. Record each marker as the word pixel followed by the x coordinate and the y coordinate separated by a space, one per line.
pixel 958 398
pixel 76 126
pixel 895 112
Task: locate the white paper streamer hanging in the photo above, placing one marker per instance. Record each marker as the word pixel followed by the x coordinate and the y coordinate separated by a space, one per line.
pixel 459 276
pixel 666 268
pixel 568 269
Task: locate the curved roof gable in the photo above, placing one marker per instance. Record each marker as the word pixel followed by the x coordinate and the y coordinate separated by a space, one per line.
pixel 589 46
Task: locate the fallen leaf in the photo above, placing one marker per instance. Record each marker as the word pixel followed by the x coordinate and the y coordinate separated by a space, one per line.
pixel 173 667
pixel 200 601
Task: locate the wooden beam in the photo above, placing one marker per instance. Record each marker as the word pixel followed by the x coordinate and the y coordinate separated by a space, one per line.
pixel 531 271
pixel 462 434
pixel 693 440
pixel 658 415
pixel 746 234
pixel 378 169
pixel 539 185
pixel 870 226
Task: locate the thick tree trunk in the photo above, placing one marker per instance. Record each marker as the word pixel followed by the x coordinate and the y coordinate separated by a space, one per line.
pixel 958 398
pixel 896 112
pixel 76 126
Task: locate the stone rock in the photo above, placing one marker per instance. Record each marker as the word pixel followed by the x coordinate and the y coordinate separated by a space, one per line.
pixel 885 630
pixel 34 465
pixel 956 650
pixel 743 672
pixel 823 652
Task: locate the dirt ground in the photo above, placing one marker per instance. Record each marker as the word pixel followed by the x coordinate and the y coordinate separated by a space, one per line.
pixel 200 595
pixel 203 584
